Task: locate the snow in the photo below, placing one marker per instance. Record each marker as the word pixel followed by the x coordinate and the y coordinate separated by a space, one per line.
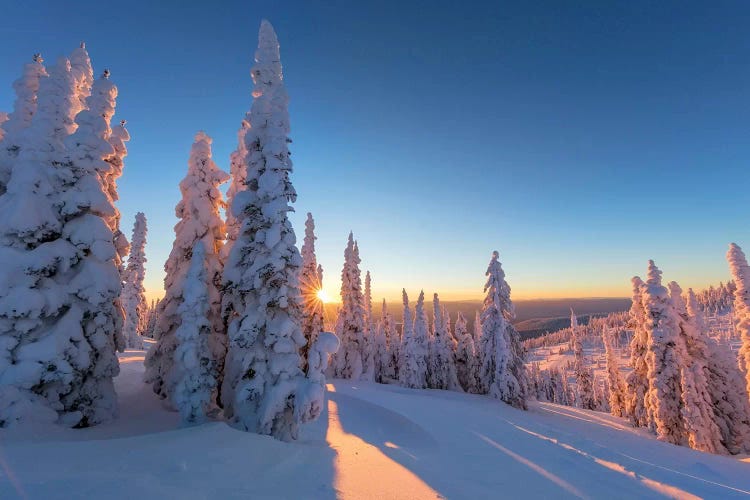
pixel 424 443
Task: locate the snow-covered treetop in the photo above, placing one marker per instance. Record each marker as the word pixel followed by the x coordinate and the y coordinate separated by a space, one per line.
pixel 573 319
pixel 675 294
pixel 308 245
pixel 498 288
pixel 83 74
pixel 653 277
pixel 26 88
pixel 741 273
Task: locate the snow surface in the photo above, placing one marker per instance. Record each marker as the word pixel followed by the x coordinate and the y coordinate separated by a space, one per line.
pixel 414 443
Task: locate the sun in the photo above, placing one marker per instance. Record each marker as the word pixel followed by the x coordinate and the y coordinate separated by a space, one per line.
pixel 323 296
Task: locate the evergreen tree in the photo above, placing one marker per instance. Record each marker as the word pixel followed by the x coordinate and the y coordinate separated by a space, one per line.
pixel 617 389
pixel 386 340
pixel 116 161
pixel 311 279
pixel 199 220
pixel 584 379
pixel 350 325
pixel 412 370
pixel 238 173
pixel 466 365
pixel 264 389
pixel 442 367
pixel 192 382
pixel 502 373
pixel 663 358
pixel 697 404
pixel 368 345
pixel 741 274
pixel 24 107
pixel 637 379
pixel 133 293
pixel 58 323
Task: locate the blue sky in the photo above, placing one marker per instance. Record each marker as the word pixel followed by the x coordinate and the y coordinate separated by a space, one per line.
pixel 579 141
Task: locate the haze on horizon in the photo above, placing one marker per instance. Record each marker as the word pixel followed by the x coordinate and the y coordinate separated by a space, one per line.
pixel 579 142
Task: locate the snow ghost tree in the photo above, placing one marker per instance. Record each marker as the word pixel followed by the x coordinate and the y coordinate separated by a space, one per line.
pixel 466 357
pixel 24 107
pixel 584 378
pixel 502 373
pixel 192 382
pixel 264 388
pixel 697 405
pixel 663 358
pixel 741 275
pixel 350 325
pixel 617 389
pixel 199 220
pixel 637 379
pixel 442 367
pixel 386 340
pixel 133 293
pixel 58 320
pixel 368 345
pixel 311 282
pixel 414 354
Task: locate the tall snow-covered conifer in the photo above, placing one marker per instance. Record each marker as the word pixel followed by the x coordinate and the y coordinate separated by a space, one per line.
pixel 368 346
pixel 350 325
pixel 615 382
pixel 413 372
pixel 741 275
pixel 58 320
pixel 584 378
pixel 466 356
pixel 502 373
pixel 199 220
pixel 442 367
pixel 311 279
pixel 133 293
pixel 663 358
pixel 264 389
pixel 637 379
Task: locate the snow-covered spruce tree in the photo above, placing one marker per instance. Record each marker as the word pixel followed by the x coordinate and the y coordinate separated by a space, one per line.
pixel 664 358
pixel 502 373
pixel 199 220
pixel 615 382
pixel 133 293
pixel 731 408
pixel 385 338
pixel 697 404
pixel 415 353
pixel 311 278
pixel 369 359
pixel 442 367
pixel 350 325
pixel 264 389
pixel 465 356
pixel 58 323
pixel 83 75
pixel 193 377
pixel 117 139
pixel 741 275
pixel 24 107
pixel 637 379
pixel 585 397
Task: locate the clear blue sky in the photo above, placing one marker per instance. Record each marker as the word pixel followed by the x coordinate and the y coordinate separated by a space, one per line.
pixel 579 141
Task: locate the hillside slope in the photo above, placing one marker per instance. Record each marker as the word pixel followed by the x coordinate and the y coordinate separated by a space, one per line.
pixel 374 441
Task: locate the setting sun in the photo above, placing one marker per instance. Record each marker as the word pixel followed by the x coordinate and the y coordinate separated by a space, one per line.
pixel 323 296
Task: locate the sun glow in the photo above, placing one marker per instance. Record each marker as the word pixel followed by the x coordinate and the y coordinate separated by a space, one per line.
pixel 323 296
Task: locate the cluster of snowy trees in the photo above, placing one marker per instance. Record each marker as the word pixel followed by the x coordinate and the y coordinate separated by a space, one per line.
pixel 685 386
pixel 430 354
pixel 63 310
pixel 239 331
